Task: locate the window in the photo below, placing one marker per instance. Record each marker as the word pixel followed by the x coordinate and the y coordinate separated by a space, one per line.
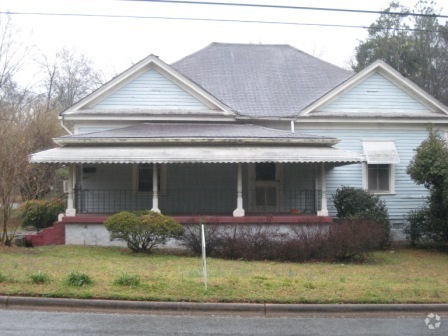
pixel 379 178
pixel 379 170
pixel 142 176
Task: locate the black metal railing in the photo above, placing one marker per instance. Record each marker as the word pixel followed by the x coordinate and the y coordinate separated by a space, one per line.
pixel 205 201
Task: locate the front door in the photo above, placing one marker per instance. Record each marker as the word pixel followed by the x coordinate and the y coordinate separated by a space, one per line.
pixel 265 187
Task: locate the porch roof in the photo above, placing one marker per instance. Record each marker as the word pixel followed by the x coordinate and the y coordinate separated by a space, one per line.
pixel 187 133
pixel 199 154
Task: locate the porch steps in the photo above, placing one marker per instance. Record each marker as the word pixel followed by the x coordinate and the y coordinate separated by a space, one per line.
pixel 54 235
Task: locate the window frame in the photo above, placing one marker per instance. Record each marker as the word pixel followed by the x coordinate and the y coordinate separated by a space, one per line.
pixel 162 178
pixel 391 176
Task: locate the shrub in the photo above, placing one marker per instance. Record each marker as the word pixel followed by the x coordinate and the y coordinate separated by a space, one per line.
pixel 192 239
pixel 3 277
pixel 249 243
pixel 144 230
pixel 356 203
pixel 39 278
pixel 348 239
pixel 343 240
pixel 41 214
pixel 127 280
pixel 78 279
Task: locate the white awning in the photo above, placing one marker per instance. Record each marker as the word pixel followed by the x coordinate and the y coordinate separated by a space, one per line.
pixel 203 154
pixel 381 152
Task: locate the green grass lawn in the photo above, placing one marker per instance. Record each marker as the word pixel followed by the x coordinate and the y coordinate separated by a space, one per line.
pixel 400 276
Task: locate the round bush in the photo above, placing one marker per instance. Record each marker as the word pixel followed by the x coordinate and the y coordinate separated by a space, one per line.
pixel 143 230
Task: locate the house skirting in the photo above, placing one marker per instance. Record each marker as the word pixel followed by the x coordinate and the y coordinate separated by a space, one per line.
pixel 90 230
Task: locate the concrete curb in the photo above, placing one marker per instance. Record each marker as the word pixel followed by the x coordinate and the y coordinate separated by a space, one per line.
pixel 263 310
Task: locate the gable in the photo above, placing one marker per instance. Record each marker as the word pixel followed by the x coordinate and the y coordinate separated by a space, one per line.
pixel 375 94
pixel 151 90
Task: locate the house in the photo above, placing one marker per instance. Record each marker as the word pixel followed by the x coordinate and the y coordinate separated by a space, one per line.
pixel 241 133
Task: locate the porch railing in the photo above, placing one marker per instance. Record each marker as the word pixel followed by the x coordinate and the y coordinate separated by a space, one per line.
pixel 197 201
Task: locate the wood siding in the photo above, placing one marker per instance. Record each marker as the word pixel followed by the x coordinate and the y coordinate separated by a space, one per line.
pixel 408 196
pixel 376 94
pixel 151 90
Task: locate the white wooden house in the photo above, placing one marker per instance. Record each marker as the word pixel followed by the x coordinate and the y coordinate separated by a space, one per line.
pixel 241 133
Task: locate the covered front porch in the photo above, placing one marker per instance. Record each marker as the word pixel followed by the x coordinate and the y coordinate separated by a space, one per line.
pixel 223 170
pixel 258 190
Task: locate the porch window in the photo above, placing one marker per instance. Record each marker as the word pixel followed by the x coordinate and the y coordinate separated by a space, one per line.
pixel 142 176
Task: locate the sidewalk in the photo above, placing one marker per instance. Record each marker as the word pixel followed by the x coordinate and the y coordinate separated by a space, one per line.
pixel 246 309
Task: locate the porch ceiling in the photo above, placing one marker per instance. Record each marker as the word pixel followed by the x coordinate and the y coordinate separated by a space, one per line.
pixel 203 154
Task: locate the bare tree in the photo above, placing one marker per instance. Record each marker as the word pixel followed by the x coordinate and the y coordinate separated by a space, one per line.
pixel 69 76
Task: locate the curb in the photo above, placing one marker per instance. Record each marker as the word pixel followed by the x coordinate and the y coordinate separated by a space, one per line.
pixel 256 309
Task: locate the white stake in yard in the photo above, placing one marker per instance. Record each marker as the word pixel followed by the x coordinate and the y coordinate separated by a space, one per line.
pixel 204 262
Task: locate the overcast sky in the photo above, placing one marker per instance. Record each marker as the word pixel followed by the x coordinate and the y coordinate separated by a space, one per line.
pixel 116 43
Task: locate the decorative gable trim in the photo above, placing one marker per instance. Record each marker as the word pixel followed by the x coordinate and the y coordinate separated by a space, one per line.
pixel 150 62
pixel 389 73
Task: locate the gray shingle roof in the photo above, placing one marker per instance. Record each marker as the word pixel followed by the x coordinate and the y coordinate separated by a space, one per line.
pixel 261 80
pixel 179 131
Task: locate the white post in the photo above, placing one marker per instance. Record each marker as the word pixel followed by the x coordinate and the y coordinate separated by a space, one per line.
pixel 324 207
pixel 204 260
pixel 155 189
pixel 239 211
pixel 71 211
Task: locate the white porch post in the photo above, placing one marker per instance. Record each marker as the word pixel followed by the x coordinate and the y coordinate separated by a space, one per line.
pixel 239 211
pixel 71 211
pixel 324 207
pixel 155 189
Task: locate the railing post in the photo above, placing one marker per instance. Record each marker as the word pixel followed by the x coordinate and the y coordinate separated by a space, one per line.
pixel 323 209
pixel 239 211
pixel 71 211
pixel 155 189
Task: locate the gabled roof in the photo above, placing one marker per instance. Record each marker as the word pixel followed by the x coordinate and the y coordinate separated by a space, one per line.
pixel 261 81
pixel 435 108
pixel 150 62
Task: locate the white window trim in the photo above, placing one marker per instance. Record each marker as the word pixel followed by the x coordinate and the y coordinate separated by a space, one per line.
pixel 163 180
pixel 365 180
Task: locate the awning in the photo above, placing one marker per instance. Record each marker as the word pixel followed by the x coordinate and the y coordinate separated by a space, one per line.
pixel 381 152
pixel 203 154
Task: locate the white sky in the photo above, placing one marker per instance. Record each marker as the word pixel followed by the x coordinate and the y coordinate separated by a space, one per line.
pixel 115 43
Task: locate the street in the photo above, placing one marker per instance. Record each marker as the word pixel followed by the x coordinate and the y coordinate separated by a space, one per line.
pixel 39 323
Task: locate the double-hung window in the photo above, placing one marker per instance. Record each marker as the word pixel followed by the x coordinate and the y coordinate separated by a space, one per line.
pixel 379 170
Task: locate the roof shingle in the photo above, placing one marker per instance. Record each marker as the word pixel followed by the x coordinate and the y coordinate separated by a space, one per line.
pixel 261 80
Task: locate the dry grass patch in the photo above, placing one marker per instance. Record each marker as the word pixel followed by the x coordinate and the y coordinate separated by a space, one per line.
pixel 403 276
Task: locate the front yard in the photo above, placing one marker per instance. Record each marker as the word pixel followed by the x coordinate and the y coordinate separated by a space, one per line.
pixel 399 276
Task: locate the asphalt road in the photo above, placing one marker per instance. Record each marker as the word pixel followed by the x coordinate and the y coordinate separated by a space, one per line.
pixel 38 323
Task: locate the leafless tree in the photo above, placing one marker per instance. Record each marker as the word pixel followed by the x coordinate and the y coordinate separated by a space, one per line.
pixel 68 77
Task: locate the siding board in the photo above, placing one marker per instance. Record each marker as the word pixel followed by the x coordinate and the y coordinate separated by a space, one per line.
pixel 376 94
pixel 151 90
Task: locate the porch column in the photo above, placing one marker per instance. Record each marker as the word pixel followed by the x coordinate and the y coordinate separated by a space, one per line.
pixel 324 209
pixel 155 189
pixel 239 211
pixel 71 211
